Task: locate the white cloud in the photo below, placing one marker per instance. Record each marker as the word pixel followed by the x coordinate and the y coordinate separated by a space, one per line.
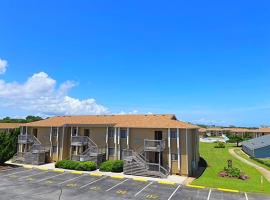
pixel 3 66
pixel 40 94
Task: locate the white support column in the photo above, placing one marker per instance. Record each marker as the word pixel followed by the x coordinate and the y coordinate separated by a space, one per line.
pixel 57 147
pixel 127 138
pixel 63 135
pixel 107 145
pixel 77 132
pixel 178 150
pixel 70 154
pixel 119 145
pixel 169 146
pixel 187 150
pixel 115 143
pixel 51 142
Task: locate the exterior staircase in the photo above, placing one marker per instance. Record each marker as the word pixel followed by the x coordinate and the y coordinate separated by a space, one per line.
pixel 92 153
pixel 34 155
pixel 137 164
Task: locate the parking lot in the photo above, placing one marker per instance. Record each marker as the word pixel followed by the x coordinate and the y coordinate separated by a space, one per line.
pixel 21 183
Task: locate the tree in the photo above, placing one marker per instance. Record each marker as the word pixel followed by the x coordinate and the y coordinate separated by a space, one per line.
pixel 8 145
pixel 235 139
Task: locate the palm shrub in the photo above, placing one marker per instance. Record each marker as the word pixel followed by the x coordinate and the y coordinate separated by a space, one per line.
pixel 112 166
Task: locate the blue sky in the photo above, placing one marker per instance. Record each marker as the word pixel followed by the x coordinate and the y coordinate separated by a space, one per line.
pixel 206 61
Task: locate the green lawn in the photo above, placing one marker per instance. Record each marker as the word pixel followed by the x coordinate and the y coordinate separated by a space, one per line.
pixel 217 160
pixel 243 155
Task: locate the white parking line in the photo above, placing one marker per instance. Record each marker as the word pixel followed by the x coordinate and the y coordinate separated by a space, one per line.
pixel 117 185
pixel 23 177
pixel 72 179
pixel 174 192
pixel 246 196
pixel 143 189
pixel 49 178
pixel 83 186
pixel 15 173
pixel 209 194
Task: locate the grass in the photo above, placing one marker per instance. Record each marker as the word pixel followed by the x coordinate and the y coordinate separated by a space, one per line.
pixel 243 155
pixel 217 160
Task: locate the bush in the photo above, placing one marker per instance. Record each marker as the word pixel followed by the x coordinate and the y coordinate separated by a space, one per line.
pixel 8 145
pixel 232 172
pixel 76 165
pixel 261 161
pixel 220 145
pixel 112 166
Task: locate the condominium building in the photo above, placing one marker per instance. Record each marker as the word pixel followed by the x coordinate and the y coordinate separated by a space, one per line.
pixel 150 145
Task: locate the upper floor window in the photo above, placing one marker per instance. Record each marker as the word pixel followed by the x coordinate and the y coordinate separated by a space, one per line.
pixel 123 133
pixel 74 131
pixel 110 132
pixel 87 132
pixel 54 132
pixel 173 134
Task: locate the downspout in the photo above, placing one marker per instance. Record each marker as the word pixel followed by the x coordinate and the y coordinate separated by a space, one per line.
pixel 178 151
pixel 107 145
pixel 169 146
pixel 63 135
pixel 187 156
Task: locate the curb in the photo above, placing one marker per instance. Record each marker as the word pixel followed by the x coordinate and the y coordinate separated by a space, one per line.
pixel 117 177
pixel 196 186
pixel 228 190
pixel 140 179
pixel 59 170
pixel 166 183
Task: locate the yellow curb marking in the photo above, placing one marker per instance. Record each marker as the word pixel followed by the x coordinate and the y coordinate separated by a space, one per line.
pixel 166 183
pixel 195 186
pixel 95 174
pixel 117 177
pixel 59 170
pixel 227 190
pixel 30 179
pixel 49 182
pixel 79 173
pixel 140 179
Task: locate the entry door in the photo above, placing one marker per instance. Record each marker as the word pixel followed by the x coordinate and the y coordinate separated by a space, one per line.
pixel 158 136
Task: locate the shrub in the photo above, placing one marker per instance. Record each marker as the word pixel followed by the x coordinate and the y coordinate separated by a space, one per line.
pixel 232 172
pixel 76 165
pixel 118 166
pixel 220 145
pixel 112 166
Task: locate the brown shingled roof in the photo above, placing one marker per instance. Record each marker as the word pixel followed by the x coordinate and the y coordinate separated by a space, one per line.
pixel 10 125
pixel 132 121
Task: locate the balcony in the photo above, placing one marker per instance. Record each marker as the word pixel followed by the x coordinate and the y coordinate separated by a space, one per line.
pixel 79 140
pixel 25 139
pixel 154 145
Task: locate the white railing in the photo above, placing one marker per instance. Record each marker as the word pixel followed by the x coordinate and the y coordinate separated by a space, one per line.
pixel 154 145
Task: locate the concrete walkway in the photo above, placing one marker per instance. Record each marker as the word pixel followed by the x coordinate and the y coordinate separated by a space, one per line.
pixel 263 171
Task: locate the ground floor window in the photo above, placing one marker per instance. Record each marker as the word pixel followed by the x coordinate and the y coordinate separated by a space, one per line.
pixel 174 156
pixel 111 151
pixel 54 149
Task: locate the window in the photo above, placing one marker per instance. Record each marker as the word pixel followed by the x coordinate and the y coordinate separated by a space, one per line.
pixel 86 132
pixel 35 131
pixel 123 133
pixel 173 135
pixel 54 149
pixel 111 151
pixel 111 132
pixel 54 132
pixel 74 131
pixel 174 156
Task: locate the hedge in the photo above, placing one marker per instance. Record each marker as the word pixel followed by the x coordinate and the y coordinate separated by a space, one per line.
pixel 112 166
pixel 76 165
pixel 261 161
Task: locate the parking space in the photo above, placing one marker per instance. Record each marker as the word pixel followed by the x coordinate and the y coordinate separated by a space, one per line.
pixel 82 181
pixel 219 195
pixel 103 184
pixel 157 191
pixel 21 183
pixel 128 189
pixel 185 193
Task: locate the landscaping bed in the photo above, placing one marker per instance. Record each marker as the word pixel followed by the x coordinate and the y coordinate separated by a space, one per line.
pixel 217 159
